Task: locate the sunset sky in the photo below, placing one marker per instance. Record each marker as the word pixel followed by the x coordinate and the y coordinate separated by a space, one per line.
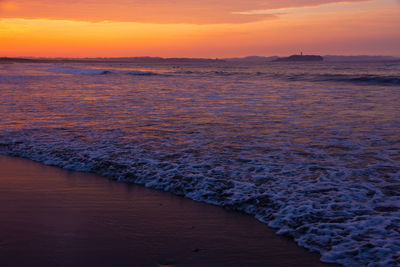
pixel 198 28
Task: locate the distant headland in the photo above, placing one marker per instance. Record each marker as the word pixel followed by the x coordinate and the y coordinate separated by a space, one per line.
pixel 301 57
pixel 325 58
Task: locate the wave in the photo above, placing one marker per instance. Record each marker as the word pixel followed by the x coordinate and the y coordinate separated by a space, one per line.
pixel 88 71
pixel 360 79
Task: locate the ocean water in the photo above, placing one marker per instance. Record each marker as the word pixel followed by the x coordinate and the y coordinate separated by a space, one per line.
pixel 311 149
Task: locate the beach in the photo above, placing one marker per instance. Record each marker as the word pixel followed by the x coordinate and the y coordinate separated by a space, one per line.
pixel 55 217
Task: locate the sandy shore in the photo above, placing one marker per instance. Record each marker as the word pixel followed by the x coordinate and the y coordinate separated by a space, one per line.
pixel 54 217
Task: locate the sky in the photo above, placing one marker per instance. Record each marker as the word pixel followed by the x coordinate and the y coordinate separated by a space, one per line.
pixel 198 28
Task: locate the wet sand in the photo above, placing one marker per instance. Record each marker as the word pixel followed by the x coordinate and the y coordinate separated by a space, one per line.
pixel 55 217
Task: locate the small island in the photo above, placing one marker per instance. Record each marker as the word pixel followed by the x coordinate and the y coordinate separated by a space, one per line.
pixel 300 57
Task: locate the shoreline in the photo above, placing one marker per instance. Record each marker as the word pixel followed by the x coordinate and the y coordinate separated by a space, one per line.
pixel 60 217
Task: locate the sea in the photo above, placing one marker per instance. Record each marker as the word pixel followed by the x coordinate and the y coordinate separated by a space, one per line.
pixel 309 148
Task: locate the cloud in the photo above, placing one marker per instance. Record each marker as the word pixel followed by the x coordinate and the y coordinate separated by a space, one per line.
pixel 153 11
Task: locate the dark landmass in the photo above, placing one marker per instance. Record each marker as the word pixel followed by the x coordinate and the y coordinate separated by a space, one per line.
pixel 16 60
pixel 328 58
pixel 251 59
pixel 299 58
pixel 108 60
pixel 361 58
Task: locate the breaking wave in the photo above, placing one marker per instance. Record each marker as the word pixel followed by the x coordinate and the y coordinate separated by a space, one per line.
pixel 89 71
pixel 360 79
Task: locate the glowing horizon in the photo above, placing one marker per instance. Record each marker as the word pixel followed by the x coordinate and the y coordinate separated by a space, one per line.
pixel 191 28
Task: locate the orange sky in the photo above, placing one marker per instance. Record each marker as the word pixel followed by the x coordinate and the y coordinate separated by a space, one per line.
pixel 196 28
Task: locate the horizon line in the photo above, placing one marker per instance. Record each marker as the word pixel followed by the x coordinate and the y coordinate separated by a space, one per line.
pixel 185 57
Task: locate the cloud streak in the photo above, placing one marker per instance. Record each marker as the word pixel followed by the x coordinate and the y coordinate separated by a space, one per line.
pixel 153 11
